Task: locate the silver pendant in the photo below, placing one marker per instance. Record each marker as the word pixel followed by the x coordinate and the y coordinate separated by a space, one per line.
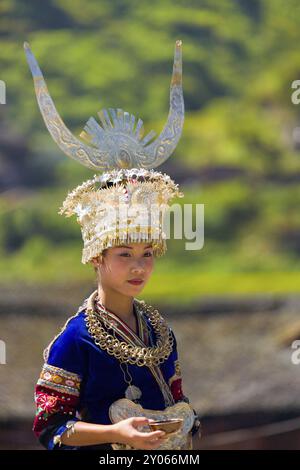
pixel 132 392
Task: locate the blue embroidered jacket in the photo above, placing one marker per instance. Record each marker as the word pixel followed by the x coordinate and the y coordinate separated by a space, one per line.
pixel 79 381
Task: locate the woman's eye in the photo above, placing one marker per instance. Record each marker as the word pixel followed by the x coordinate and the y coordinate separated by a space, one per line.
pixel 148 254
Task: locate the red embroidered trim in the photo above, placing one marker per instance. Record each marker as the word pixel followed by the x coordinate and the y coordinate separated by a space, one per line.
pixel 49 403
pixel 175 382
pixel 176 389
pixel 59 380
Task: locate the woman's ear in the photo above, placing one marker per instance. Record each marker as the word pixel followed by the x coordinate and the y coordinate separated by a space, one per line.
pixel 97 260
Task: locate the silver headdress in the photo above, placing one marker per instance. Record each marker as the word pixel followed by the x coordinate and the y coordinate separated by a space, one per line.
pixel 116 145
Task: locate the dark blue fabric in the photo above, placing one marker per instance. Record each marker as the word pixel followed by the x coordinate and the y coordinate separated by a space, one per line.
pixel 102 378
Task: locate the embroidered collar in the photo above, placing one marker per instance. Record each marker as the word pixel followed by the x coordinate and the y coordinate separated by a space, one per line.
pixel 121 327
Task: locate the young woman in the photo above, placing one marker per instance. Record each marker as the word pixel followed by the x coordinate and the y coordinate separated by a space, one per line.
pixel 80 381
pixel 114 366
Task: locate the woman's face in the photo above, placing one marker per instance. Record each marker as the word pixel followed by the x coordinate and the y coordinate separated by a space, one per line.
pixel 126 262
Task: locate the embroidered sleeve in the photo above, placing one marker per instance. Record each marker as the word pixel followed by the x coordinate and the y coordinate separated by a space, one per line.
pixel 175 384
pixel 58 389
pixel 56 397
pixel 175 381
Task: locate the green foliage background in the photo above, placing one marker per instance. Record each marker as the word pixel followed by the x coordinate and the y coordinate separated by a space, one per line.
pixel 237 154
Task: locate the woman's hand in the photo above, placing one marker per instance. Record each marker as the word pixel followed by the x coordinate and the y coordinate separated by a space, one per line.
pixel 126 432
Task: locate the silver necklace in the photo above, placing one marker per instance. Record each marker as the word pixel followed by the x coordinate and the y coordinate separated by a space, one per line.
pixel 132 392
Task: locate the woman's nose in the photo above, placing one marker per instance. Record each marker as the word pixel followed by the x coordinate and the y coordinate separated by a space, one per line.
pixel 139 267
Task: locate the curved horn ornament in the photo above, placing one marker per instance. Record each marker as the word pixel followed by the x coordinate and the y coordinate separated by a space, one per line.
pixel 115 142
pixel 160 150
pixel 68 143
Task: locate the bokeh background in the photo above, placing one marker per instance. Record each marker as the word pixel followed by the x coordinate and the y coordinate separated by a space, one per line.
pixel 234 304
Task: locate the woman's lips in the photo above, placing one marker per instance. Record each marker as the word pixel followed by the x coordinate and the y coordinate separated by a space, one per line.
pixel 136 283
